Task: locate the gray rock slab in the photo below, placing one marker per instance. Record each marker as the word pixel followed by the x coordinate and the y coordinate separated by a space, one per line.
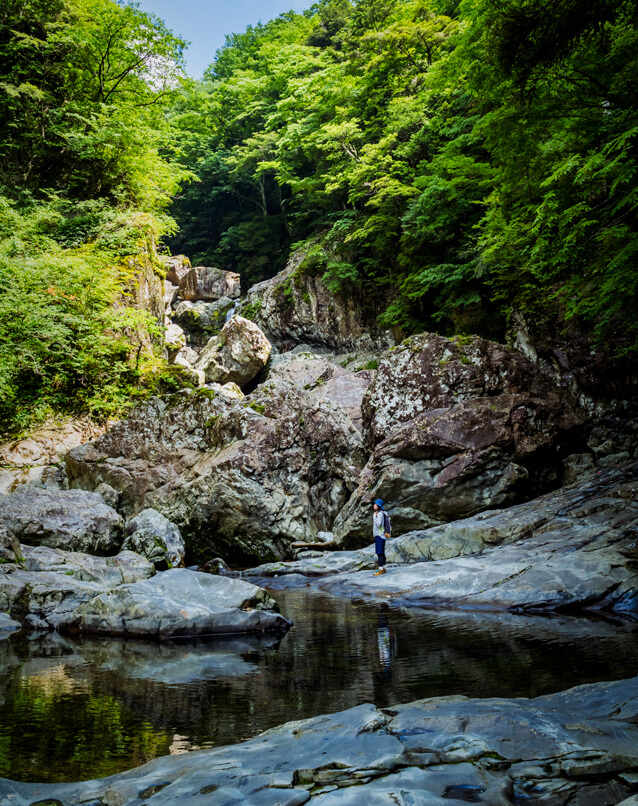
pixel 561 749
pixel 8 625
pixel 52 583
pixel 574 548
pixel 74 520
pixel 179 602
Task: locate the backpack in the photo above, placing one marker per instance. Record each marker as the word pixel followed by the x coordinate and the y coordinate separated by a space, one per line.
pixel 387 523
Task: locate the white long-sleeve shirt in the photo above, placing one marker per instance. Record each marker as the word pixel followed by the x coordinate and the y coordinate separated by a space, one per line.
pixel 378 524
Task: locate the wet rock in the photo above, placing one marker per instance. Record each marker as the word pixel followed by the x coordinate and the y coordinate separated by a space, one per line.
pixel 179 602
pixel 568 748
pixel 75 520
pixel 571 549
pixel 452 462
pixel 153 536
pixel 576 467
pixel 242 478
pixel 8 625
pixel 236 355
pixel 215 566
pixel 295 306
pixel 202 282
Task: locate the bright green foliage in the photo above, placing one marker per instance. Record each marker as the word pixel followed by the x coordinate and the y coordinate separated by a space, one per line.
pixel 84 85
pixel 461 159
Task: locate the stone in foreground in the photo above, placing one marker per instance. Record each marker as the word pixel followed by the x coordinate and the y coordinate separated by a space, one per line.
pixel 578 747
pixel 155 537
pixel 179 602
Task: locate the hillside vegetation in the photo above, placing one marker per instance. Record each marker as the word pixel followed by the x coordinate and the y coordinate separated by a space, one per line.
pixel 86 177
pixel 461 158
pixel 458 161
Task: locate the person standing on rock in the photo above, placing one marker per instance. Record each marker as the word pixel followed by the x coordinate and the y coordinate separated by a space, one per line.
pixel 381 530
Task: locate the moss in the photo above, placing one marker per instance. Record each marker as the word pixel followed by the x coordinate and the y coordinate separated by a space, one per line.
pixel 258 407
pixel 251 309
pixel 205 394
pixel 463 339
pixel 306 298
pixel 373 364
pixel 464 359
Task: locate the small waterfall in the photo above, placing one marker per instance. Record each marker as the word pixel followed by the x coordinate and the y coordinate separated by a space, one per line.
pixel 231 311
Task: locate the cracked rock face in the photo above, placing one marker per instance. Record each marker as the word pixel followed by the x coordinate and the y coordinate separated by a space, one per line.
pixel 456 427
pixel 71 519
pixel 575 747
pixel 295 307
pixel 242 478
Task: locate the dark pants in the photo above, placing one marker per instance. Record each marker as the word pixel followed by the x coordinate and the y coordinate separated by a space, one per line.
pixel 379 548
pixel 381 559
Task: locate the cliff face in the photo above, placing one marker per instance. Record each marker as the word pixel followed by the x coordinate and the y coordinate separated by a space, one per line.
pixel 439 428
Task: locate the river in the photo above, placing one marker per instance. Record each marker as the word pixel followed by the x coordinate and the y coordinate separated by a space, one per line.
pixel 73 709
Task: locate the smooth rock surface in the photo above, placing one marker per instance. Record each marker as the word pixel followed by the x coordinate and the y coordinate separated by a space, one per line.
pixel 179 602
pixel 236 355
pixel 74 520
pixel 8 625
pixel 202 282
pixel 201 320
pixel 578 747
pixel 575 548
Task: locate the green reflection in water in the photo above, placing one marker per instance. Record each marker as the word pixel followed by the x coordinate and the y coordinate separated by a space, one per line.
pixel 72 733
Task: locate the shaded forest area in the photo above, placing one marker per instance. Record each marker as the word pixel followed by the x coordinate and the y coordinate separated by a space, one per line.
pixel 459 161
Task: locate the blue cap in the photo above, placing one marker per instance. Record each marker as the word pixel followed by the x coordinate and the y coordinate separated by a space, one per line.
pixel 379 503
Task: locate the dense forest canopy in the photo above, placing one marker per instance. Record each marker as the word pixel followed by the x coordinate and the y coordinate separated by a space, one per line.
pixel 459 160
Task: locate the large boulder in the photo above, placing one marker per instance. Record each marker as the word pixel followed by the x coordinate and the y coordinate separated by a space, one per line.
pixel 179 602
pixel 71 519
pixel 452 462
pixel 428 372
pixel 153 536
pixel 202 282
pixel 296 307
pixel 242 478
pixel 201 320
pixel 456 426
pixel 324 379
pixel 577 747
pixel 236 355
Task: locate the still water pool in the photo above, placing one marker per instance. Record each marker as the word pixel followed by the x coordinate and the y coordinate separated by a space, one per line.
pixel 75 709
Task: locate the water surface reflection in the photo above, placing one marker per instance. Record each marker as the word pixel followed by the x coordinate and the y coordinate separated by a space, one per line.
pixel 73 709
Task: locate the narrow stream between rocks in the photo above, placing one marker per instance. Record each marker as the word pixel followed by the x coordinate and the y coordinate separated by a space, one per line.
pixel 76 709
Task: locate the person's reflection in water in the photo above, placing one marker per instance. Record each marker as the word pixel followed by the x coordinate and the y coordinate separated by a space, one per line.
pixel 387 643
